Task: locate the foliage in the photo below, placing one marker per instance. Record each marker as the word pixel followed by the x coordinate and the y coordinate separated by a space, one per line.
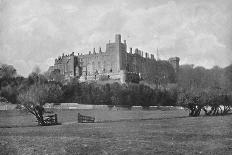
pixel 228 77
pixel 7 72
pixel 160 75
pixel 36 96
pixel 71 92
pixel 55 76
pixel 125 95
pixel 103 77
pixel 202 90
pixel 9 82
pixel 211 102
pixel 190 77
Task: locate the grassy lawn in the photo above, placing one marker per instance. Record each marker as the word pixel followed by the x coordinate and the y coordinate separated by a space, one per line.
pixel 117 132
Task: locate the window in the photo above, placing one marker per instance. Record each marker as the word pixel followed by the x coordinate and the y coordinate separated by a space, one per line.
pixel 93 66
pixel 99 64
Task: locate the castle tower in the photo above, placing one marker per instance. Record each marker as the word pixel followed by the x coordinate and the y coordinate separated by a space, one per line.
pixel 174 61
pixel 117 38
pixel 117 52
pixel 71 65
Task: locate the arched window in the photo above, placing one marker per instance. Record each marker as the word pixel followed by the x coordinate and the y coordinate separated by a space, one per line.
pixel 104 66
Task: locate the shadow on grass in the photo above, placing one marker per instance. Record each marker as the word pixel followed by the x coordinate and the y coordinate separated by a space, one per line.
pixel 109 121
pixel 143 119
pixel 24 126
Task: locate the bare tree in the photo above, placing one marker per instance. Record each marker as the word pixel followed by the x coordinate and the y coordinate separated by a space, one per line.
pixel 36 96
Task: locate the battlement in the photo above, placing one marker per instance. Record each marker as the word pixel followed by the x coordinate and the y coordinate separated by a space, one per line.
pixel 63 58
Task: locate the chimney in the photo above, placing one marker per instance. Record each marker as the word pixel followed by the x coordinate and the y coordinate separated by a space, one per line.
pixel 94 51
pixel 136 51
pixel 125 42
pixel 100 51
pixel 146 55
pixel 130 50
pixel 152 57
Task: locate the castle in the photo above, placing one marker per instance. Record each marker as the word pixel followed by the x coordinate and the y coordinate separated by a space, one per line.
pixel 117 64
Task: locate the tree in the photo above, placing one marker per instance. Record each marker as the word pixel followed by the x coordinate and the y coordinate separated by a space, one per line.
pixel 36 78
pixel 211 101
pixel 9 83
pixel 7 72
pixel 36 96
pixel 72 92
pixel 190 100
pixel 228 77
pixel 36 70
pixel 56 76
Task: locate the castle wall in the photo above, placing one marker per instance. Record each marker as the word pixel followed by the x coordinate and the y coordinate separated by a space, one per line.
pixel 67 65
pixel 116 63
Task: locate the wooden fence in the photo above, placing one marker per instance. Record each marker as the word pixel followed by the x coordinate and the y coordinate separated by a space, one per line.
pixel 51 119
pixel 85 119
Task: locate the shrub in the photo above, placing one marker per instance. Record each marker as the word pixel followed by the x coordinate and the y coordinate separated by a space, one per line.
pixel 212 102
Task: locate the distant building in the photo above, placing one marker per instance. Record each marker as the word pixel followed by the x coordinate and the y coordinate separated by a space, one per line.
pixel 115 63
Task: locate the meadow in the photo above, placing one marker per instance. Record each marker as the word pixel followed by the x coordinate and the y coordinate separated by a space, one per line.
pixel 159 131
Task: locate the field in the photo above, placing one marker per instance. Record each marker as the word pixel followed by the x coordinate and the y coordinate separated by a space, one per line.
pixel 117 132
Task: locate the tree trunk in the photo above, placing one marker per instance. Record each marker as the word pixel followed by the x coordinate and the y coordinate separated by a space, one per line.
pixel 39 117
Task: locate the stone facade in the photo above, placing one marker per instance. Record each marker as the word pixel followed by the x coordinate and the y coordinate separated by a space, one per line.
pixel 115 63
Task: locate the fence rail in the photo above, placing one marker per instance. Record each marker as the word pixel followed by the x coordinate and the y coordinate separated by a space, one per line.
pixel 85 119
pixel 51 119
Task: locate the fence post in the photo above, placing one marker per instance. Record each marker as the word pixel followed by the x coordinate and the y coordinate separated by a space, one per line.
pixel 78 117
pixel 56 118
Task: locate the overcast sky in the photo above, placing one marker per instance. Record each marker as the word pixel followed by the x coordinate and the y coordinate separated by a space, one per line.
pixel 35 32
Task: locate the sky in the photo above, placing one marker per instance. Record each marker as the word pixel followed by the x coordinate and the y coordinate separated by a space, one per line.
pixel 35 32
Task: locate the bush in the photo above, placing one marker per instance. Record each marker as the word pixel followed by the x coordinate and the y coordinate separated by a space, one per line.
pixel 103 77
pixel 211 102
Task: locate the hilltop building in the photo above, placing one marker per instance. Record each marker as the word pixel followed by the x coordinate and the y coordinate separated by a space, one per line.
pixel 116 63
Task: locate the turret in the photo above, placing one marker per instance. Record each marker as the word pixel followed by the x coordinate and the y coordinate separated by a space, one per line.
pixel 136 51
pixel 117 38
pixel 124 42
pixel 152 57
pixel 174 61
pixel 146 55
pixel 130 50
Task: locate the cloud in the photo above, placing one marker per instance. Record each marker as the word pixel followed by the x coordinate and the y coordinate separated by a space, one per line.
pixel 34 32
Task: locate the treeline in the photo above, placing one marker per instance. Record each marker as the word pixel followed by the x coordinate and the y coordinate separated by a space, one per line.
pixel 11 84
pixel 199 90
pixel 126 95
pixel 205 91
pixel 190 77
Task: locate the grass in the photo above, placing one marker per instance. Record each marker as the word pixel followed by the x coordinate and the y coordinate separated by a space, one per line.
pixel 118 132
